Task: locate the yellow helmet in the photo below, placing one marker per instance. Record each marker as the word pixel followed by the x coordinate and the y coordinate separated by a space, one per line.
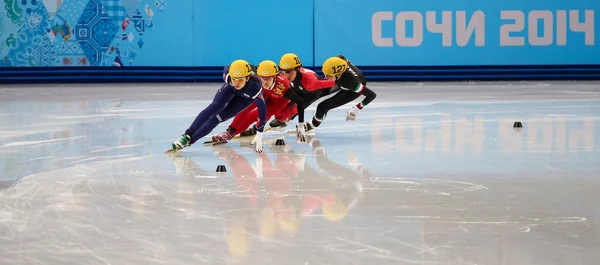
pixel 289 61
pixel 334 66
pixel 289 226
pixel 267 68
pixel 239 68
pixel 268 224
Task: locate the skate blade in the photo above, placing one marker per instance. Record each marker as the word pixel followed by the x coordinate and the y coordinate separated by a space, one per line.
pixel 211 143
pixel 238 137
pixel 170 151
pixel 242 139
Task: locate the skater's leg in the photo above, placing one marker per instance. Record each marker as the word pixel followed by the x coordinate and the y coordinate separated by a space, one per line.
pixel 286 112
pixel 290 111
pixel 278 105
pixel 242 120
pixel 220 101
pixel 339 99
pixel 234 107
pixel 217 105
pixel 273 106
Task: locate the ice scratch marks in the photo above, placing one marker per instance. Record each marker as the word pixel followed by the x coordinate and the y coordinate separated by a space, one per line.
pixel 365 246
pixel 21 133
pixel 367 250
pixel 430 186
pixel 41 142
pixel 571 219
pixel 84 117
pixel 104 149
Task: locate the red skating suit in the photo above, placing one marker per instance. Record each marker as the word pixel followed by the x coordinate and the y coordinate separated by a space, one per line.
pixel 275 101
pixel 309 82
pixel 278 178
pixel 244 174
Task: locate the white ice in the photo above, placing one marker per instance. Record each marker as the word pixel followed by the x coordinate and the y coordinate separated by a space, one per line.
pixel 429 173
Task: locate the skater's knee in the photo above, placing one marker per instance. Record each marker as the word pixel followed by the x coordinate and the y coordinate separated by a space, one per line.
pixel 219 118
pixel 222 117
pixel 321 110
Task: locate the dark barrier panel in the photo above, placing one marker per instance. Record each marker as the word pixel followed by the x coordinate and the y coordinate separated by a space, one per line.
pixel 32 75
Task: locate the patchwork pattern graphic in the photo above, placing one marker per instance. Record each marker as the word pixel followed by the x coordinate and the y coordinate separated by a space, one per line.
pixel 32 49
pixel 75 32
pixel 160 5
pixel 139 22
pixel 70 53
pixel 131 6
pixel 52 6
pixel 69 13
pixel 36 16
pixel 69 50
pixel 1 34
pixel 126 46
pixel 13 11
pixel 95 32
pixel 115 10
pixel 8 35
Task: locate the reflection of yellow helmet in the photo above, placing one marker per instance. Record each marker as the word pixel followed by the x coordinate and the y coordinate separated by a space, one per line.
pixel 238 240
pixel 289 225
pixel 267 68
pixel 289 61
pixel 334 212
pixel 334 66
pixel 239 68
pixel 268 224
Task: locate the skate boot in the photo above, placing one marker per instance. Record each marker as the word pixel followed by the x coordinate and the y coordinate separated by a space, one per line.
pixel 276 124
pixel 249 132
pixel 183 142
pixel 222 137
pixel 308 128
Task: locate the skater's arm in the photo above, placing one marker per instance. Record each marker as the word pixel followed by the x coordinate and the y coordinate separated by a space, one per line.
pixel 262 112
pixel 369 96
pixel 291 95
pixel 225 73
pixel 312 83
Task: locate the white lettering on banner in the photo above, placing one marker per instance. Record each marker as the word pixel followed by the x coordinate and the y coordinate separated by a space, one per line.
pixel 376 31
pixel 546 19
pixel 401 38
pixel 587 26
pixel 445 28
pixel 561 27
pixel 544 27
pixel 464 30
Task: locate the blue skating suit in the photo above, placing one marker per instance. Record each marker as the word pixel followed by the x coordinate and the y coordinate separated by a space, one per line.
pixel 227 103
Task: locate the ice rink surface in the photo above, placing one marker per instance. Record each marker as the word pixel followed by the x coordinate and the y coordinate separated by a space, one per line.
pixel 429 173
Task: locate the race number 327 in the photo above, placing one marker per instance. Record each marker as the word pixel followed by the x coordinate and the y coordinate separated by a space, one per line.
pixel 545 28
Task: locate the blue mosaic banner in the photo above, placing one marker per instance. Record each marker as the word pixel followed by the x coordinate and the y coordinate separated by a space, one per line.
pixel 36 33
